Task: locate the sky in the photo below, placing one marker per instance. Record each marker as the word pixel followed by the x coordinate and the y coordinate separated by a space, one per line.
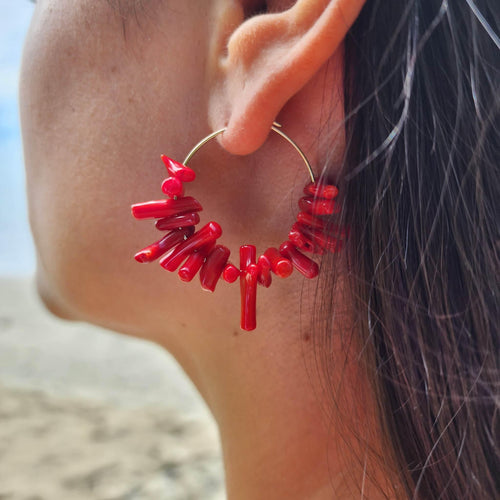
pixel 16 247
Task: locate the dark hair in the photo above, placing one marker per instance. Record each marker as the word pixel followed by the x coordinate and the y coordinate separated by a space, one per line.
pixel 421 177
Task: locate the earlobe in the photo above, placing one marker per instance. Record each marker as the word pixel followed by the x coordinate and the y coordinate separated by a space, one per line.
pixel 270 58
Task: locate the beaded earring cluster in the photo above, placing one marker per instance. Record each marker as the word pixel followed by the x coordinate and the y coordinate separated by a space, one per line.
pixel 192 252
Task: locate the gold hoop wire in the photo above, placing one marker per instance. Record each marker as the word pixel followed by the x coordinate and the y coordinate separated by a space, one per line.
pixel 275 128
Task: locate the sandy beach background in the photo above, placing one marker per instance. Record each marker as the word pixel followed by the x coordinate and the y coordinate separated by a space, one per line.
pixel 88 414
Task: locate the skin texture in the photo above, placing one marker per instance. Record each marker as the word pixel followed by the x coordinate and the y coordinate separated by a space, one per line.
pixel 101 98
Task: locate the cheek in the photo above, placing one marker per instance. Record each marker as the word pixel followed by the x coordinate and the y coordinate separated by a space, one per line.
pixel 97 112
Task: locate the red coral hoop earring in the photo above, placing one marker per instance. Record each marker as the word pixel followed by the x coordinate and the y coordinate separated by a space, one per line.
pixel 198 251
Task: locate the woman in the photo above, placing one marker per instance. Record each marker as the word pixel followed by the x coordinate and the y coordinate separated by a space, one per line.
pixel 377 380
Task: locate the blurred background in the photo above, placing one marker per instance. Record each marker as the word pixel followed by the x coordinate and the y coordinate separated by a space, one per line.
pixel 84 413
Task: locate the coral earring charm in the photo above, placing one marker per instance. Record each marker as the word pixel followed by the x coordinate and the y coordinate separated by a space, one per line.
pixel 197 252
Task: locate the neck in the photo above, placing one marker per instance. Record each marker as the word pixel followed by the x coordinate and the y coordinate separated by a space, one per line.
pixel 273 434
pixel 283 435
pixel 281 438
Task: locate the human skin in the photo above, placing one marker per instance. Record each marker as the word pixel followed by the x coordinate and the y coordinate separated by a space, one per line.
pixel 101 99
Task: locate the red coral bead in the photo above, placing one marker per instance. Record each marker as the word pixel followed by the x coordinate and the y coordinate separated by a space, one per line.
pixel 318 206
pixel 302 240
pixel 248 290
pixel 280 265
pixel 320 240
pixel 157 249
pixel 175 257
pixel 194 262
pixel 264 276
pixel 319 190
pixel 231 273
pixel 176 221
pixel 303 264
pixel 159 209
pixel 173 187
pixel 212 268
pixel 248 254
pixel 176 169
pixel 310 220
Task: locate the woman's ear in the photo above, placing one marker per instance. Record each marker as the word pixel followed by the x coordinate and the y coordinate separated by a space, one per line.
pixel 268 59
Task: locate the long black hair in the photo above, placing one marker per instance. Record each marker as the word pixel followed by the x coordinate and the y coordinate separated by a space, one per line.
pixel 421 183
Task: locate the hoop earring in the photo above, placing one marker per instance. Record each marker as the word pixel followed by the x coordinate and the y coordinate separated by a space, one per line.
pixel 197 251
